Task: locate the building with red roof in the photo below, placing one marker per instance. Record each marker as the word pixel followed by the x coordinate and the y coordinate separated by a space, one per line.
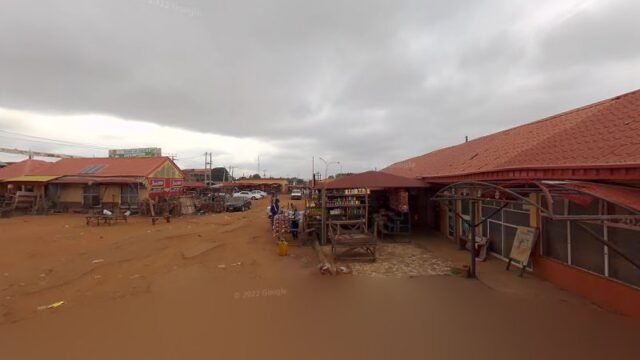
pixel 600 141
pixel 98 182
pixel 22 168
pixel 592 151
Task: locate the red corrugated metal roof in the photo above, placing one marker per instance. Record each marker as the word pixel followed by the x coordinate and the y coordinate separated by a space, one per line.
pixel 372 180
pixel 139 167
pixel 26 167
pixel 97 180
pixel 601 135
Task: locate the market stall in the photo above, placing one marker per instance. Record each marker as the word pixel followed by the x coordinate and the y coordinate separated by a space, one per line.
pixel 378 201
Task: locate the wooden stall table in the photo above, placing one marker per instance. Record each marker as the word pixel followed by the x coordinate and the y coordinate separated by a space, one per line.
pixel 350 235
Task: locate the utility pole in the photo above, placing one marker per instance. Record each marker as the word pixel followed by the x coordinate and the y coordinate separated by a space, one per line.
pixel 208 166
pixel 258 164
pixel 264 174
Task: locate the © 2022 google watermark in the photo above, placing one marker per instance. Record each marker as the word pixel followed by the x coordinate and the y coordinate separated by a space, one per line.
pixel 253 294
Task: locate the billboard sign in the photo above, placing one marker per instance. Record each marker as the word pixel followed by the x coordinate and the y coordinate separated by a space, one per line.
pixel 138 152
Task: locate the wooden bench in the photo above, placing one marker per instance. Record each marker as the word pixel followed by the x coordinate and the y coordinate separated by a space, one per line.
pixel 154 219
pixel 347 236
pixel 105 219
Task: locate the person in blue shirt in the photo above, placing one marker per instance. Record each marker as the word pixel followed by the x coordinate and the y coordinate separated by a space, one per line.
pixel 275 210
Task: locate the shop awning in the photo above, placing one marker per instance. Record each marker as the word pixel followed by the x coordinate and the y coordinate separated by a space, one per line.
pixel 193 185
pixel 623 196
pixel 97 180
pixel 374 180
pixel 30 179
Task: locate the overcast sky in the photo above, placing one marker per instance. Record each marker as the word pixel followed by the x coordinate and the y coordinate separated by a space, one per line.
pixel 366 83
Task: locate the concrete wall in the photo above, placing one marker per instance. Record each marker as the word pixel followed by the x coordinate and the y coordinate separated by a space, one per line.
pixel 607 293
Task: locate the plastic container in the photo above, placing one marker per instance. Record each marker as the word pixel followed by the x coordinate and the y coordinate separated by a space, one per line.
pixel 283 248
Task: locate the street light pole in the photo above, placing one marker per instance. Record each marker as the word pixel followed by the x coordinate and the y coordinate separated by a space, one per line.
pixel 326 166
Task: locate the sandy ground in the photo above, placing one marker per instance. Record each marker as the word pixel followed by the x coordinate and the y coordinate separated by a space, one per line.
pixel 212 287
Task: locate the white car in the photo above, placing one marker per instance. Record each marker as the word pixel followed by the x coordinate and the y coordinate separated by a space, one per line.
pixel 244 194
pixel 258 194
pixel 296 195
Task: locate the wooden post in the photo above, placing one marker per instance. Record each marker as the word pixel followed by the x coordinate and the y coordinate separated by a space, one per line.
pixel 322 258
pixel 472 239
pixel 323 231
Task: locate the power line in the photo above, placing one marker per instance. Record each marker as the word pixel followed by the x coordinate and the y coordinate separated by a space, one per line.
pixel 41 139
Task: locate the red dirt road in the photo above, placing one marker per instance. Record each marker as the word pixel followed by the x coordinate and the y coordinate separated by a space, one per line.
pixel 137 291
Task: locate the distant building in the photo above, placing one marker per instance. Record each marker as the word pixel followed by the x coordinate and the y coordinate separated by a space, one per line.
pixel 218 174
pixel 266 184
pixel 136 152
pixel 195 175
pixel 96 182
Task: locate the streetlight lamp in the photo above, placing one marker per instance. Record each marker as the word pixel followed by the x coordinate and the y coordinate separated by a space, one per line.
pixel 326 166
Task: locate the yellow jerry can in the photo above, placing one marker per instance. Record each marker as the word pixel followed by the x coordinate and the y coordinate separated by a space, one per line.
pixel 283 247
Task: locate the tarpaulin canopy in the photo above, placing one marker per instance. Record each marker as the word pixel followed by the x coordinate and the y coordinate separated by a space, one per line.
pixel 373 180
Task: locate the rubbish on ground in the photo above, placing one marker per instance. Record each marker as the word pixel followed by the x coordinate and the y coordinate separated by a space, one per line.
pixel 236 264
pixel 324 269
pixel 51 306
pixel 97 277
pixel 97 261
pixel 107 212
pixel 344 270
pixel 221 266
pixel 43 275
pixel 135 276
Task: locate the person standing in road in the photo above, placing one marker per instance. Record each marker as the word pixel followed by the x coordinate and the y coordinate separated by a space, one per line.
pixel 275 210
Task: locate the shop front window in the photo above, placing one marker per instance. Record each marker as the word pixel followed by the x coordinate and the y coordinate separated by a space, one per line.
pixel 129 195
pixel 570 243
pixel 91 196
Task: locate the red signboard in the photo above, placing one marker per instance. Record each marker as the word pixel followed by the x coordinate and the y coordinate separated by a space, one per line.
pixel 165 187
pixel 156 183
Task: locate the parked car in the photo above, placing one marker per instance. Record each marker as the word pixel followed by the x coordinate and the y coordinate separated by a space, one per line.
pixel 257 195
pixel 296 195
pixel 238 203
pixel 244 194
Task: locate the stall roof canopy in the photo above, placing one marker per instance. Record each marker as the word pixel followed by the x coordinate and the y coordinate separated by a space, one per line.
pixel 97 180
pixel 30 179
pixel 620 195
pixel 594 142
pixel 373 180
pixel 26 167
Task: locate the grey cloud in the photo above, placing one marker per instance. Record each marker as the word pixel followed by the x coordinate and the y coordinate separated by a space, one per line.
pixel 363 82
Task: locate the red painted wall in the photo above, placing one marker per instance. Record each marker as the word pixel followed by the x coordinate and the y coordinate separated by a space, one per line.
pixel 609 294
